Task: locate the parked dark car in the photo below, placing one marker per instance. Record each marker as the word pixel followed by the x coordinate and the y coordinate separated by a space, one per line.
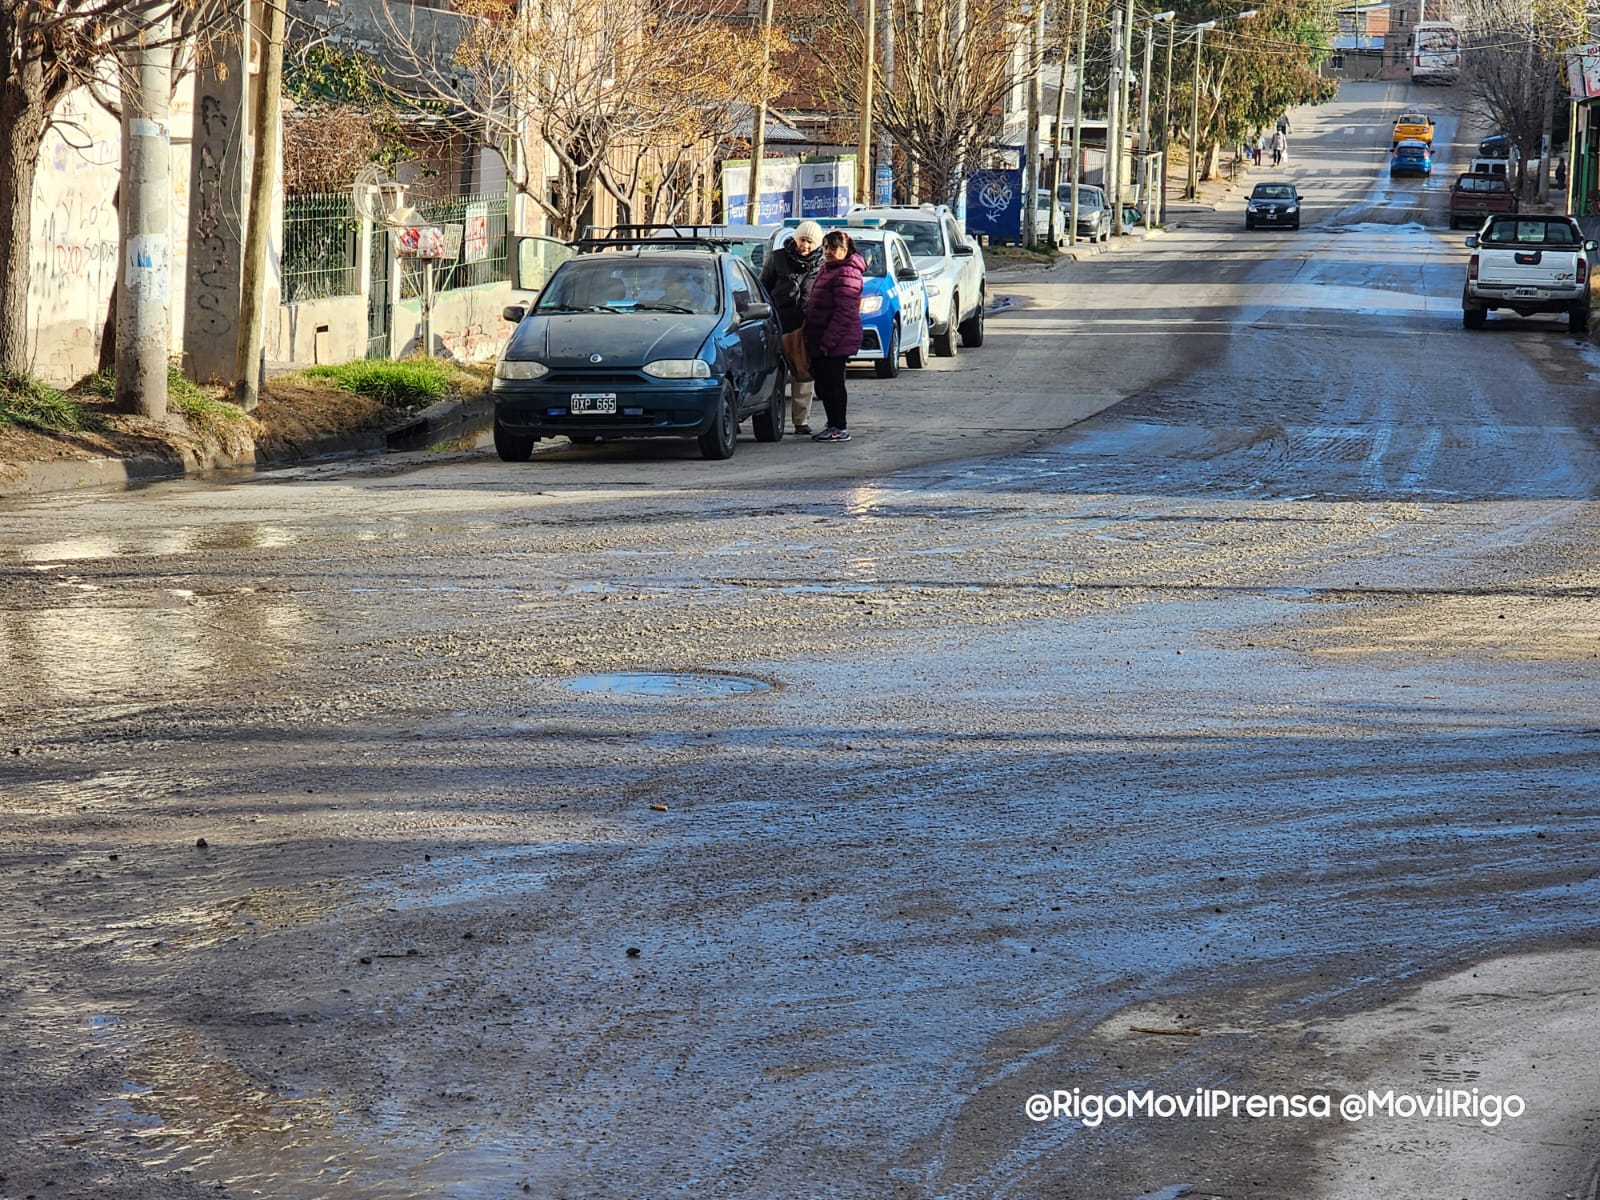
pixel 650 341
pixel 1273 204
pixel 1476 196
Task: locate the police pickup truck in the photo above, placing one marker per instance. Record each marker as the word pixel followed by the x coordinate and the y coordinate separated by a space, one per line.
pixel 1529 264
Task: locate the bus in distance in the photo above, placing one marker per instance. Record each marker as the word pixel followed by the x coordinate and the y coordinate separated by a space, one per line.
pixel 1435 52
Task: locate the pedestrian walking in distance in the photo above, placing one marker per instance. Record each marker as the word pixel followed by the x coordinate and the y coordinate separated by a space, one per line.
pixel 1283 124
pixel 1280 148
pixel 788 274
pixel 1261 144
pixel 833 328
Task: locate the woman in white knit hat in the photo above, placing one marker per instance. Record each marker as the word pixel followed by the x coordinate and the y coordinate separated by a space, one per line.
pixel 788 274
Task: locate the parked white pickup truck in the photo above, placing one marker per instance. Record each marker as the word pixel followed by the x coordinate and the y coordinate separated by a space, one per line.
pixel 1529 264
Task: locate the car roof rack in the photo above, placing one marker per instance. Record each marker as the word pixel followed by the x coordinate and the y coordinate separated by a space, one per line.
pixel 835 222
pixel 591 245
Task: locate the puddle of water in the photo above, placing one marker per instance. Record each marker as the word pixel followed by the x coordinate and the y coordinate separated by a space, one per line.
pixel 668 685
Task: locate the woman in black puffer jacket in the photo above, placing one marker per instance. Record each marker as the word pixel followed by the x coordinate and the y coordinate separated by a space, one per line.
pixel 788 274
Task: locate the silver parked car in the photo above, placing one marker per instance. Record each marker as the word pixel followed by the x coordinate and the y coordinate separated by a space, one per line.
pixel 1094 214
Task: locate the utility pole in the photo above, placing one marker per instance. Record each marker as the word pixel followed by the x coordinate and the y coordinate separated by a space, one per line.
pixel 1065 31
pixel 1030 174
pixel 869 19
pixel 1113 168
pixel 1124 114
pixel 144 297
pixel 886 141
pixel 263 175
pixel 1078 82
pixel 758 128
pixel 1194 112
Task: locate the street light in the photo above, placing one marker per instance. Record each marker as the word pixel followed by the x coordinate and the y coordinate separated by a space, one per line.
pixel 1194 99
pixel 1144 113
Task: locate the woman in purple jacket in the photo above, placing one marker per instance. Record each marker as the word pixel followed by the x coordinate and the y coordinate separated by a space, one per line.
pixel 833 327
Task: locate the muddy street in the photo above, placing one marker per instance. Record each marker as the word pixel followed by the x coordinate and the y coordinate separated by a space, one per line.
pixel 1194 687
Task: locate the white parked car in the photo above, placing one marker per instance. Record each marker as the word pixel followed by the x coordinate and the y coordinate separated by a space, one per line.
pixel 951 266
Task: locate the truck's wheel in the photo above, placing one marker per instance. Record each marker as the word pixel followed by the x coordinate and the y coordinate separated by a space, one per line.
pixel 1578 320
pixel 1472 318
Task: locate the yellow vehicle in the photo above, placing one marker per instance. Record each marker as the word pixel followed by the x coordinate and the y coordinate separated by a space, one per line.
pixel 1413 125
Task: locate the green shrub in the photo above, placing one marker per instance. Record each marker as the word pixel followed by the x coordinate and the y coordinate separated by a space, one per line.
pixel 26 402
pixel 414 383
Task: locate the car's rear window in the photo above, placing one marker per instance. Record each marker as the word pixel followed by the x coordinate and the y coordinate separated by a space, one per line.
pixel 1468 184
pixel 1531 233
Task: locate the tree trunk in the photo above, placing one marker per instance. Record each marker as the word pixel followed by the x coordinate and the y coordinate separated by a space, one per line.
pixel 21 131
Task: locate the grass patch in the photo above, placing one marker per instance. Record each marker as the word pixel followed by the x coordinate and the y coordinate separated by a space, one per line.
pixel 208 416
pixel 410 384
pixel 1008 255
pixel 29 404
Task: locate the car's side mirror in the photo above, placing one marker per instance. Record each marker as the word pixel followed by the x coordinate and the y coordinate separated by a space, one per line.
pixel 909 274
pixel 1472 242
pixel 513 313
pixel 1591 246
pixel 965 251
pixel 755 312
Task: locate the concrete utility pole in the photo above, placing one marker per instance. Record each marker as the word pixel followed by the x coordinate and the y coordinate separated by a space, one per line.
pixel 263 175
pixel 758 125
pixel 1124 114
pixel 1030 173
pixel 1194 112
pixel 1113 184
pixel 1078 82
pixel 144 298
pixel 885 140
pixel 869 22
pixel 1065 31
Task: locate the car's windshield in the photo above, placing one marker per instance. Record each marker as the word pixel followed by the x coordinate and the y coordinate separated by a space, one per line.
pixel 1272 191
pixel 611 282
pixel 1088 197
pixel 922 236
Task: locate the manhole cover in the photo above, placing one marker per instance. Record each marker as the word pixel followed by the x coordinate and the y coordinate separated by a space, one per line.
pixel 650 683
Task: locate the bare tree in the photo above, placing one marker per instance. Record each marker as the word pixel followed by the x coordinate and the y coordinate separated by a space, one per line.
pixel 50 50
pixel 1512 65
pixel 954 62
pixel 616 90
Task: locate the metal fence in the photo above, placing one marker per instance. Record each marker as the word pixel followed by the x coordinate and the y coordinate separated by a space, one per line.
pixel 321 247
pixel 483 244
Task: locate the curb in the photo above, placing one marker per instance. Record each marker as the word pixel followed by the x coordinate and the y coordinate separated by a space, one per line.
pixel 442 421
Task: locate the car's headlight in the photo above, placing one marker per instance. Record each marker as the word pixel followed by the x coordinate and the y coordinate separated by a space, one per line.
pixel 1292 208
pixel 679 368
pixel 870 305
pixel 935 288
pixel 511 369
pixel 1253 208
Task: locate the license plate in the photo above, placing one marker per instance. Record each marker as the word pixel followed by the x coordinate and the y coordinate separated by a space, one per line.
pixel 593 402
pixel 1526 292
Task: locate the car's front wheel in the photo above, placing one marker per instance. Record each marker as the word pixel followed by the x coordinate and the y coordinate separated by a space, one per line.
pixel 917 356
pixel 768 424
pixel 972 327
pixel 723 437
pixel 888 366
pixel 945 344
pixel 512 447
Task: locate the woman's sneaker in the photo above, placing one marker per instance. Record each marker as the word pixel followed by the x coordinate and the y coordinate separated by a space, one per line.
pixel 830 434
